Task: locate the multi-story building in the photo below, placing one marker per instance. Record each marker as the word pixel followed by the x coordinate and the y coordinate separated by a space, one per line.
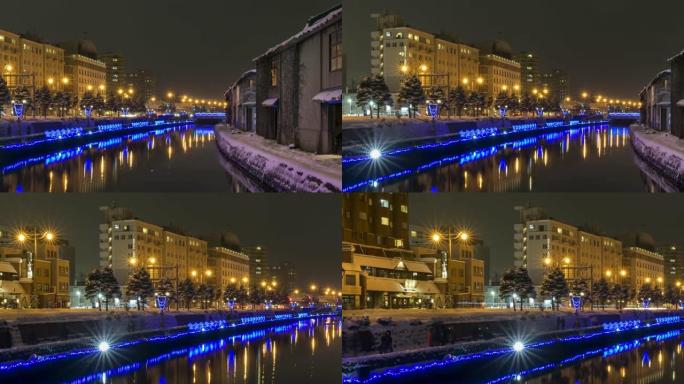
pixel 556 82
pixel 28 62
pixel 662 99
pixel 673 257
pixel 84 72
pixel 9 55
pixel 543 243
pixel 127 243
pixel 285 275
pixel 143 82
pixel 116 66
pixel 643 267
pixel 228 266
pixel 375 277
pixel 258 264
pixel 439 60
pixel 529 71
pixel 306 115
pixel 500 72
pixel 241 99
pixel 378 219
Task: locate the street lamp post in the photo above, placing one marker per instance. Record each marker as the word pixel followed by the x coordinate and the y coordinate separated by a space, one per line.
pixel 23 237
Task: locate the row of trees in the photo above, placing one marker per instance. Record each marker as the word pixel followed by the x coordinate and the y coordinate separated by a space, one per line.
pixel 102 286
pixel 373 94
pixel 516 285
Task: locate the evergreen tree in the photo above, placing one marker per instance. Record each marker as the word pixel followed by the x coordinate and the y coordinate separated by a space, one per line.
pixel 514 104
pixel 23 95
pixel 94 286
pixel 657 296
pixel 110 286
pixel 242 296
pixel 380 94
pixel 601 292
pixel 5 97
pixel 256 296
pixel 112 103
pixel 671 296
pixel 516 283
pixel 230 294
pixel 364 94
pixel 166 287
pixel 554 287
pixel 621 295
pixel 99 104
pixel 458 100
pixel 186 292
pixel 140 287
pixel 501 101
pixel 645 293
pixel 526 103
pixel 580 287
pixel 412 94
pixel 43 100
pixel 87 100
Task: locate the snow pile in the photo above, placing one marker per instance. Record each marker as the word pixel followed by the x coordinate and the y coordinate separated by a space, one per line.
pixel 277 166
pixel 662 151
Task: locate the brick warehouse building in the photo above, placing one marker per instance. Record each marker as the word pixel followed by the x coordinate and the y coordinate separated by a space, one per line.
pixel 299 87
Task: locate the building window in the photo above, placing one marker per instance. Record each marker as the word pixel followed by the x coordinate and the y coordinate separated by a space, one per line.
pixel 399 243
pixel 336 50
pixel 384 221
pixel 350 280
pixel 384 203
pixel 404 208
pixel 274 72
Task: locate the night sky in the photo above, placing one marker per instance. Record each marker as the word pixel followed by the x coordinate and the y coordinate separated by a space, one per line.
pixel 611 46
pixel 300 228
pixel 491 216
pixel 195 47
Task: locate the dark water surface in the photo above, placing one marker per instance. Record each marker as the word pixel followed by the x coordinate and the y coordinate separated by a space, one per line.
pixel 180 159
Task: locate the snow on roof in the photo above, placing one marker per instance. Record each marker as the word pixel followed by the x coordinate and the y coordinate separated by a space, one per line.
pixel 244 74
pixel 676 56
pixel 658 76
pixel 313 25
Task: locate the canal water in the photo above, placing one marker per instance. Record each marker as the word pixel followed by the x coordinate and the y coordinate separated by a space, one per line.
pixel 304 352
pixel 654 359
pixel 595 158
pixel 179 159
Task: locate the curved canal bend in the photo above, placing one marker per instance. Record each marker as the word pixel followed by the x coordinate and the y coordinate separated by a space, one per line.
pixel 596 158
pixel 307 351
pixel 179 159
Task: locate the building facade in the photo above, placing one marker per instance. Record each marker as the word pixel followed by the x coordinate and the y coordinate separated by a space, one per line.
pixel 143 82
pixel 544 243
pixel 498 69
pixel 228 266
pixel 643 267
pixel 377 219
pixel 241 99
pixel 677 95
pixel 127 243
pixel 116 70
pixel 285 276
pixel 530 77
pixel 556 82
pixel 656 102
pixel 673 260
pixel 258 264
pixel 304 114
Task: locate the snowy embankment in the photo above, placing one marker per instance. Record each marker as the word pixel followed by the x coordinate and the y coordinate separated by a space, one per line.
pixel 277 166
pixel 662 151
pixel 426 338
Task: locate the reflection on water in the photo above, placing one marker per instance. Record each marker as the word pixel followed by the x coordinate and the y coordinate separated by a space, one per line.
pixel 176 159
pixel 305 352
pixel 651 361
pixel 597 158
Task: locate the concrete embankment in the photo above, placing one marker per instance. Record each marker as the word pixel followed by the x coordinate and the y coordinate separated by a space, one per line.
pixel 358 135
pixel 278 167
pixel 662 153
pixel 424 338
pixel 23 337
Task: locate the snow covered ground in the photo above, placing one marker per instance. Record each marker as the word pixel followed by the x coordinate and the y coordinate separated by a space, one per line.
pixel 661 150
pixel 278 166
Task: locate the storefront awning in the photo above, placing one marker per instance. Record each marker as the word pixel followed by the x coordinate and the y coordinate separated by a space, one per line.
pixel 248 104
pixel 11 287
pixel 270 102
pixel 427 287
pixel 417 266
pixel 379 284
pixel 680 103
pixel 332 96
pixel 6 267
pixel 350 267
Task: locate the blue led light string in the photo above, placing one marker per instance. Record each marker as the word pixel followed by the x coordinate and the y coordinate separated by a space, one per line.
pixel 9 366
pixel 425 366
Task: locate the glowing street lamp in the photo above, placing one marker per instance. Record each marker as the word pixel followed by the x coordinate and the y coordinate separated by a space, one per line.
pixel 23 237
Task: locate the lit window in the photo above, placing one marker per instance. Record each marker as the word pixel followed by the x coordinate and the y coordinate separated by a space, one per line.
pixel 384 203
pixel 404 208
pixel 398 243
pixel 384 221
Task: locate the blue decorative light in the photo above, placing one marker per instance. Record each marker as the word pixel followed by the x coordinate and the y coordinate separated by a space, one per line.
pixel 18 109
pixel 161 300
pixel 210 114
pixel 576 302
pixel 433 110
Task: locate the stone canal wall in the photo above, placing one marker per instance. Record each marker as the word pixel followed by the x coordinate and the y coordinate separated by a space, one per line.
pixel 276 166
pixel 415 340
pixel 25 336
pixel 663 152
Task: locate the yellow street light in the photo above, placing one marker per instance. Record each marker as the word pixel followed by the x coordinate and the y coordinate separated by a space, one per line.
pixel 585 95
pixel 49 236
pixel 65 80
pixel 404 68
pixel 208 272
pixel 313 287
pixel 660 279
pixel 547 261
pixel 609 273
pixel 465 80
pixel 263 283
pixel 648 280
pixel 232 280
pixel 89 87
pixel 274 283
pixel 101 87
pixel 119 91
pixel 516 87
pixel 152 260
pixel 623 273
pixel 9 68
pixel 169 94
pixel 51 81
pixel 436 237
pixel 505 88
pixel 464 236
pixel 423 68
pixel 481 80
pixel 153 99
pixel 21 237
pixel 566 260
pixel 193 273
pixel 296 291
pixel 132 261
pixel 245 280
